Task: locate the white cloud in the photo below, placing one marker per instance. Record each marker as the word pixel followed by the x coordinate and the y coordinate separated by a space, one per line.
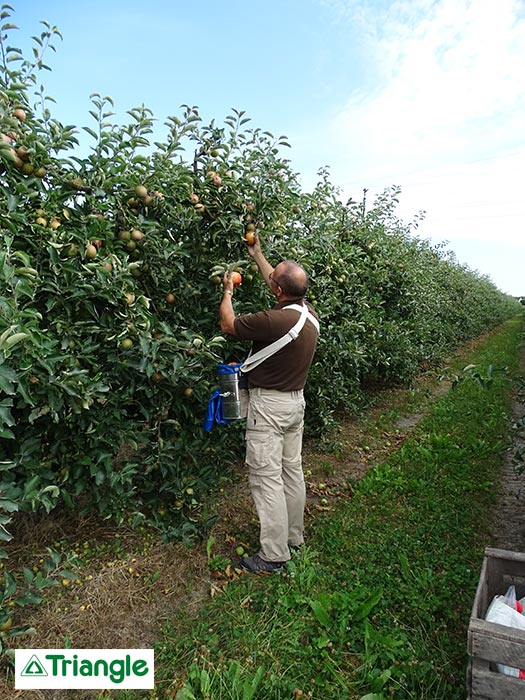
pixel 450 83
pixel 445 121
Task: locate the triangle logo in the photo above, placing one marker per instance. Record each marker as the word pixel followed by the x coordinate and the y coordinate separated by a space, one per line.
pixel 34 668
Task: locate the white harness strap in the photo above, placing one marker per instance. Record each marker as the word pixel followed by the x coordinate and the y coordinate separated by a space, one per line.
pixel 253 361
pixel 307 316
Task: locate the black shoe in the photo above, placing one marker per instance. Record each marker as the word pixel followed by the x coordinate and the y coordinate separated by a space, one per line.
pixel 256 565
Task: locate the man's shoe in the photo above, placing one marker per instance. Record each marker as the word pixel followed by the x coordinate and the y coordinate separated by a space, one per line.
pixel 256 565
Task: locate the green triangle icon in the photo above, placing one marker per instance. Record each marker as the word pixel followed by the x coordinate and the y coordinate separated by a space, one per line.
pixel 34 668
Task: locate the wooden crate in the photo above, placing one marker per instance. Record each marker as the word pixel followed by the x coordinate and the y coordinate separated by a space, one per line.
pixel 490 643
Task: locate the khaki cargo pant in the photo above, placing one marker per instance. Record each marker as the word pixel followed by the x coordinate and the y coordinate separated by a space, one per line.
pixel 274 435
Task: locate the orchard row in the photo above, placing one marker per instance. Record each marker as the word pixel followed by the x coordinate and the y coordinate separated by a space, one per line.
pixel 110 270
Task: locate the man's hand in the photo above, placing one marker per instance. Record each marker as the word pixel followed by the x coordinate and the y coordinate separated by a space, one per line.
pixel 264 266
pixel 255 249
pixel 227 283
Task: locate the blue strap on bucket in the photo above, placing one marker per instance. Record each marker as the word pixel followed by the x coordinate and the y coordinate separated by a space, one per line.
pixel 214 413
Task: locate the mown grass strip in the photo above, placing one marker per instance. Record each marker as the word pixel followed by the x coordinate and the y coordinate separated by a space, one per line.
pixel 377 605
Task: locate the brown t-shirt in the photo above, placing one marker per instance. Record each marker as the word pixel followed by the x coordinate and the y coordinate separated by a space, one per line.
pixel 287 369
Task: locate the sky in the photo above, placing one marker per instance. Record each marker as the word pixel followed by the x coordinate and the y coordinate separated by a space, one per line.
pixel 427 95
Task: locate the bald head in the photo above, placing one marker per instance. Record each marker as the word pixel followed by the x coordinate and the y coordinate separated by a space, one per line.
pixel 292 279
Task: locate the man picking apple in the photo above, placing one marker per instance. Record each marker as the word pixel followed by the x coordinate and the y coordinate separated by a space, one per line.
pixel 274 429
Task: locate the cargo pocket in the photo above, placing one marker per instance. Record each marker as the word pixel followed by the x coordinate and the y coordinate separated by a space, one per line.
pixel 258 448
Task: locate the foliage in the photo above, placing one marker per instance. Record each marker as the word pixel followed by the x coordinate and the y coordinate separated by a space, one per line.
pixel 27 588
pixel 109 325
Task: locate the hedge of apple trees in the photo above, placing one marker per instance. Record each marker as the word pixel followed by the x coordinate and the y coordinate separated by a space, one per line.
pixel 109 333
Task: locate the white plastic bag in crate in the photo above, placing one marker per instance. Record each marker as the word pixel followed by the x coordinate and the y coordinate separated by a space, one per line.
pixel 502 611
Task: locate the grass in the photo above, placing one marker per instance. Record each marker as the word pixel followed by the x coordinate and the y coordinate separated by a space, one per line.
pixel 377 605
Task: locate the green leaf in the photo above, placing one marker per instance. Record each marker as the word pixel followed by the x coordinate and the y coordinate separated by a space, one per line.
pixel 8 505
pixel 69 575
pixel 31 486
pixel 29 598
pixel 9 342
pixel 251 685
pixel 5 414
pixel 8 378
pixel 23 257
pixel 40 582
pixel 24 630
pixel 28 575
pixel 12 202
pixel 91 132
pixel 322 641
pixel 67 499
pixel 366 607
pixel 10 585
pixel 5 536
pixel 52 489
pixel 320 612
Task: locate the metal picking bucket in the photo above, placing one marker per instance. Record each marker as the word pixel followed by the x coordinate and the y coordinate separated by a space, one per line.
pixel 228 376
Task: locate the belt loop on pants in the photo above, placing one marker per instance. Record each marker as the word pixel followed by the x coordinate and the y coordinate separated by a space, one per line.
pixel 259 391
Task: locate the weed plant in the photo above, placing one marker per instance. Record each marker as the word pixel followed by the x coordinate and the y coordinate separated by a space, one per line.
pixel 377 605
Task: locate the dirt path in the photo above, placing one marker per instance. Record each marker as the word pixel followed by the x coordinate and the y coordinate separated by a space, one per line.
pixel 509 527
